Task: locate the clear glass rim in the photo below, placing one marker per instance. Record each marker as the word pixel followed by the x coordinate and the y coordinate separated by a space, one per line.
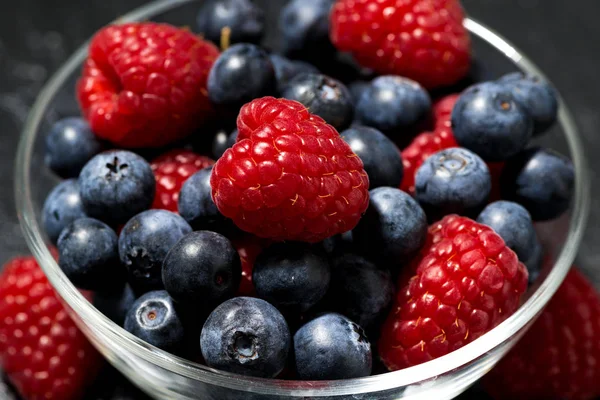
pixel 391 380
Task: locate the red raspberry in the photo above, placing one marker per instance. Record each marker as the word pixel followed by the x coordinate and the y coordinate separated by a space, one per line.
pixel 144 84
pixel 171 170
pixel 421 39
pixel 421 148
pixel 558 357
pixel 248 248
pixel 42 352
pixel 466 282
pixel 495 173
pixel 290 176
pixel 442 111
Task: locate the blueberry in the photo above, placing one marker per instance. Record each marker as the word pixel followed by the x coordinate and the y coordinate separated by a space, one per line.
pixel 245 20
pixel 115 305
pixel 324 96
pixel 393 103
pixel 197 207
pixel 286 69
pixel 246 336
pixel 292 276
pixel 514 225
pixel 222 142
pixel 116 185
pixel 394 227
pixel 535 262
pixel 356 89
pixel 153 318
pixel 488 120
pixel 242 73
pixel 359 289
pixel 202 268
pixel 144 243
pixel 304 27
pixel 381 158
pixel 62 206
pixel 88 255
pixel 541 180
pixel 70 144
pixel 536 96
pixel 453 181
pixel 332 347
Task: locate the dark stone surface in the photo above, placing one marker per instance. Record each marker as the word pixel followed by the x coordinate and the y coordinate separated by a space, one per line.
pixel 37 36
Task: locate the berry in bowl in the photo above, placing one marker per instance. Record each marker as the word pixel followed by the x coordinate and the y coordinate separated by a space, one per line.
pixel 315 199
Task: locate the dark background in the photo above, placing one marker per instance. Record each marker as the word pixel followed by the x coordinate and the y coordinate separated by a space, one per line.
pixel 36 36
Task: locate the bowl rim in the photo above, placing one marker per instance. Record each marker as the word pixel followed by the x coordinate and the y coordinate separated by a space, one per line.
pixel 94 319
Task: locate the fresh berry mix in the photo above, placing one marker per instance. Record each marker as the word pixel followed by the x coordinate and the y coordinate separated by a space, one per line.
pixel 316 207
pixel 557 357
pixel 452 181
pixel 541 180
pixel 62 206
pixel 291 276
pixel 42 352
pixel 323 96
pixel 488 120
pixel 466 281
pixel 232 20
pixel 392 104
pixel 332 347
pixel 381 158
pixel 69 146
pixel 247 336
pixel 144 84
pixel 423 40
pixel 290 176
pixel 203 268
pixel 171 170
pixel 153 318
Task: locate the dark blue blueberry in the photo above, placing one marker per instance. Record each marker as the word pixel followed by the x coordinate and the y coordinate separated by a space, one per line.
pixel 115 305
pixel 144 243
pixel 292 276
pixel 62 206
pixel 380 156
pixel 356 89
pixel 197 207
pixel 116 185
pixel 245 20
pixel 359 289
pixel 537 96
pixel 541 180
pixel 246 336
pixel 488 120
pixel 286 69
pixel 88 255
pixel 332 347
pixel 241 74
pixel 394 227
pixel 453 181
pixel 324 96
pixel 304 25
pixel 513 223
pixel 535 262
pixel 338 244
pixel 153 318
pixel 69 145
pixel 222 141
pixel 392 104
pixel 203 268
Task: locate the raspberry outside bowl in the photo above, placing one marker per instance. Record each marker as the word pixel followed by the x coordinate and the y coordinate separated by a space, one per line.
pixel 165 376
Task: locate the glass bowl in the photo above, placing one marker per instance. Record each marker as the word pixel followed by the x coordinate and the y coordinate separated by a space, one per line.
pixel 165 376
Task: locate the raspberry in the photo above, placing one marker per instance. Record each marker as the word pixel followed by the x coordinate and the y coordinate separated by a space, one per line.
pixel 442 111
pixel 248 247
pixel 466 281
pixel 290 176
pixel 558 357
pixel 420 39
pixel 171 170
pixel 421 148
pixel 496 169
pixel 144 84
pixel 42 352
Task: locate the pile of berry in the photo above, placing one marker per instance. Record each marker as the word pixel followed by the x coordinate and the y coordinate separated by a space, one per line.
pixel 342 216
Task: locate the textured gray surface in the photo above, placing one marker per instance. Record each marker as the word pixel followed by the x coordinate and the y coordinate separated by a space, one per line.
pixel 36 36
